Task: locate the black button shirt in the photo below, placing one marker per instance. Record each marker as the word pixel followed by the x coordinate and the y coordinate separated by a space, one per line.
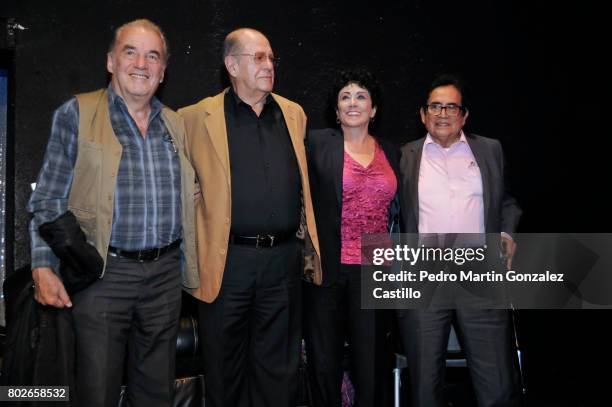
pixel 266 185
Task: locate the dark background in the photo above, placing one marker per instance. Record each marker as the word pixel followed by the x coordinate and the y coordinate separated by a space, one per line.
pixel 538 73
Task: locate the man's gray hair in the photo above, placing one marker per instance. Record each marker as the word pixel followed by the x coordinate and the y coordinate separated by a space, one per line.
pixel 146 24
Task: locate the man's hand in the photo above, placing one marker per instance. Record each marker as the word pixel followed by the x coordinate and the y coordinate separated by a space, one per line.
pixel 197 192
pixel 49 289
pixel 508 249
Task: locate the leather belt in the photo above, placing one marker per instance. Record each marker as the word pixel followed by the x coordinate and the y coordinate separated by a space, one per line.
pixel 261 240
pixel 145 255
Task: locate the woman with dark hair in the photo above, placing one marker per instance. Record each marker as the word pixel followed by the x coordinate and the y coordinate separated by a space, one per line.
pixel 354 181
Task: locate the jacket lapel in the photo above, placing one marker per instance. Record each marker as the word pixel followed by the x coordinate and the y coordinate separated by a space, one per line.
pixel 215 127
pixel 337 161
pixel 412 178
pixel 479 156
pixel 295 133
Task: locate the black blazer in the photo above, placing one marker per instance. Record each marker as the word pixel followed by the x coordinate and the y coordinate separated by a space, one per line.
pixel 325 153
pixel 501 212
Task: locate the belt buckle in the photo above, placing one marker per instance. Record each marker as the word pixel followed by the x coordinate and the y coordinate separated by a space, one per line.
pixel 261 239
pixel 146 255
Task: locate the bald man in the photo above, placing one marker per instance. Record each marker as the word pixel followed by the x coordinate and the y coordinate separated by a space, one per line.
pixel 247 147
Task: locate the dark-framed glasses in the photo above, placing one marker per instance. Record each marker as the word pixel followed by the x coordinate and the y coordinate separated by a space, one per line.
pixel 451 109
pixel 260 57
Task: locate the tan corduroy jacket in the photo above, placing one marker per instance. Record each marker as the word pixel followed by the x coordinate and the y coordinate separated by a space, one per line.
pixel 208 151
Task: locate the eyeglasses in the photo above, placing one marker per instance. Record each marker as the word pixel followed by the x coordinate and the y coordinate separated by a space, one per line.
pixel 451 109
pixel 260 57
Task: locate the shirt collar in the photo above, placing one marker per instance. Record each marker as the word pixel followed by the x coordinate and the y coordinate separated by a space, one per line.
pixel 237 101
pixel 117 101
pixel 430 140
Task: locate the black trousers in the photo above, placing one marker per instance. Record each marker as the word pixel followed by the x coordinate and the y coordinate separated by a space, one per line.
pixel 486 338
pixel 135 307
pixel 251 333
pixel 333 315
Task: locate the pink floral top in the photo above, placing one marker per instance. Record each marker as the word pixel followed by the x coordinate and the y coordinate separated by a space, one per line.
pixel 366 195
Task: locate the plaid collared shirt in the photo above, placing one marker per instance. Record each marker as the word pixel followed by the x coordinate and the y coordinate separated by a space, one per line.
pixel 147 203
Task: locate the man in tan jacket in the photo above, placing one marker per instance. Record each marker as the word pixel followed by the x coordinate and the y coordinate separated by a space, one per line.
pixel 246 145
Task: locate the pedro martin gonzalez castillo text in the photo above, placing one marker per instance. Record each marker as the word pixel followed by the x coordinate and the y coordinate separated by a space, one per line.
pixel 465 272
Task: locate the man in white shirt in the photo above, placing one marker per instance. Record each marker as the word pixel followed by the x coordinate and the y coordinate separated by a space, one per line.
pixel 454 183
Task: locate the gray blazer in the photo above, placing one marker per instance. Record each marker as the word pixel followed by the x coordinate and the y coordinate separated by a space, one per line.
pixel 501 211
